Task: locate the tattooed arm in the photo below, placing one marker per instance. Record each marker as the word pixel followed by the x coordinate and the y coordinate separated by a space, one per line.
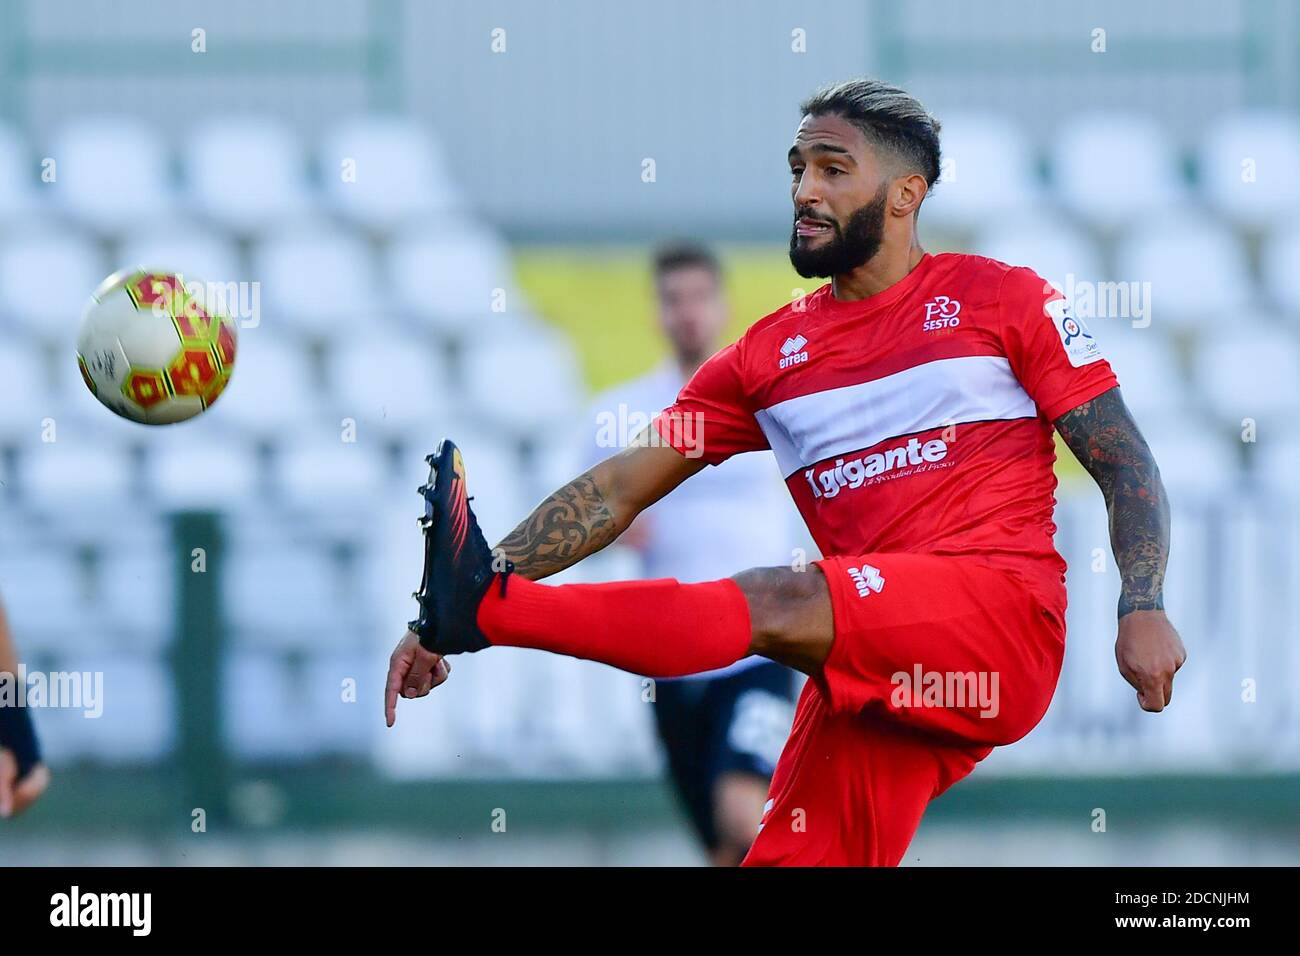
pixel 595 508
pixel 1106 440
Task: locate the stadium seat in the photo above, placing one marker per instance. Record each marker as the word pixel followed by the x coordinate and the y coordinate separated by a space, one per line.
pixel 133 584
pixel 320 467
pixel 339 722
pixel 138 722
pixel 1114 169
pixel 1280 262
pixel 17 176
pixel 1050 246
pixel 246 172
pixel 271 389
pixel 1197 270
pixel 285 595
pixel 1265 192
pixel 112 173
pixel 27 393
pixel 399 174
pixel 89 472
pixel 46 279
pixel 1146 365
pixel 43 589
pixel 389 382
pixel 524 382
pixel 1277 461
pixel 228 467
pixel 191 250
pixel 1250 374
pixel 990 170
pixel 1195 460
pixel 315 280
pixel 452 280
pixel 261 700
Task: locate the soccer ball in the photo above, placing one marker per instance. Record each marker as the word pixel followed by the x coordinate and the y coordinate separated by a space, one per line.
pixel 151 350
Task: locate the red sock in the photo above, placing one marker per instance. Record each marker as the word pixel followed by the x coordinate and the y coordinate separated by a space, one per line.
pixel 659 628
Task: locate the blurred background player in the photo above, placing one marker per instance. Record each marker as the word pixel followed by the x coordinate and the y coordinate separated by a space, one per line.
pixel 23 777
pixel 722 731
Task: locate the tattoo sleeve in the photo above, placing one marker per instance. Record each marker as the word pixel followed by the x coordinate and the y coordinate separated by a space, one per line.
pixel 1106 440
pixel 570 524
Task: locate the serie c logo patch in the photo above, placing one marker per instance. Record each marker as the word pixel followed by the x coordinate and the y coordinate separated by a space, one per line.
pixel 1080 347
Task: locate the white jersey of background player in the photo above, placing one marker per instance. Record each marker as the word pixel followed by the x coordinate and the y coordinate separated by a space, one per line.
pixel 723 730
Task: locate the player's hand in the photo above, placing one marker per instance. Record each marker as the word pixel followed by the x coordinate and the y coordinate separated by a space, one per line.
pixel 1149 652
pixel 412 672
pixel 17 795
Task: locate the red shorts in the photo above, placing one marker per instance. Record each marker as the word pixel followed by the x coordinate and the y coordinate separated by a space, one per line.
pixel 935 661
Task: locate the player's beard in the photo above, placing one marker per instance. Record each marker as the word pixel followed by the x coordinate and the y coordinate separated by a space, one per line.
pixel 847 249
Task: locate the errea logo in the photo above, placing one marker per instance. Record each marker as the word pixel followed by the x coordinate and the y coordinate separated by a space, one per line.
pixel 941 313
pixel 792 352
pixel 867 579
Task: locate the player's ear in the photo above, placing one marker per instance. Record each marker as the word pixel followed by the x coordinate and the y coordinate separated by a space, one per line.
pixel 907 193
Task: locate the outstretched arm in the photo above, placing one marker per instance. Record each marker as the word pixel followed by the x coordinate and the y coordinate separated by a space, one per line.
pixel 596 507
pixel 1107 442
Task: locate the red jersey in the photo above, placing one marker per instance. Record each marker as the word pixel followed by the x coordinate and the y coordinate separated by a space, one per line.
pixel 916 420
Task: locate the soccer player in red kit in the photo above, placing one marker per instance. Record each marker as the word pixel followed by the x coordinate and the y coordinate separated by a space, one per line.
pixel 910 402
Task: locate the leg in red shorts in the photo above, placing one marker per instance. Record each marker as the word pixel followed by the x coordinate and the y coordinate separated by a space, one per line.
pixel 935 661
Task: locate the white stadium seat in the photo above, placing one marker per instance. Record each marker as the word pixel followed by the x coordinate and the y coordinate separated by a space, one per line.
pixel 246 172
pixel 339 725
pixel 390 382
pixel 193 251
pixel 1194 460
pixel 1050 246
pixel 1248 165
pixel 1197 269
pixel 395 173
pixel 136 589
pixel 452 279
pixel 320 467
pixel 1113 169
pixel 46 279
pixel 17 176
pixel 1251 373
pixel 112 173
pixel 284 595
pixel 271 388
pixel 1280 262
pixel 198 469
pixel 73 471
pixel 315 279
pixel 138 719
pixel 1147 368
pixel 27 394
pixel 1277 460
pixel 523 382
pixel 43 596
pixel 989 170
pixel 260 698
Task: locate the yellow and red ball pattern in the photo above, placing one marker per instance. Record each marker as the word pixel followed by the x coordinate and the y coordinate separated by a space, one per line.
pixel 202 366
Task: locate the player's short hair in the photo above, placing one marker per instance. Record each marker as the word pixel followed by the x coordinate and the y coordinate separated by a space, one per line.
pixel 684 255
pixel 888 116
